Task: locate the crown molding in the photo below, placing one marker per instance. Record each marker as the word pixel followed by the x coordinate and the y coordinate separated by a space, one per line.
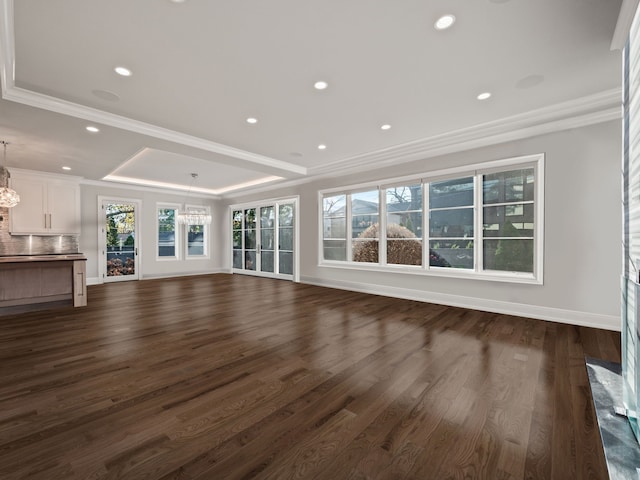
pixel 52 104
pixel 476 137
pixel 144 188
pixel 46 175
pixel 589 110
pixel 34 99
pixel 623 25
pixel 267 187
pixel 592 109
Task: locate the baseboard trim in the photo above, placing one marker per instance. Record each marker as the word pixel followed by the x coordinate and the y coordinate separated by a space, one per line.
pixel 100 281
pixel 559 315
pixel 155 276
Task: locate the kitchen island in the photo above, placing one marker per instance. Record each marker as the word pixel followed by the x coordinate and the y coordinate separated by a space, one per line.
pixel 37 279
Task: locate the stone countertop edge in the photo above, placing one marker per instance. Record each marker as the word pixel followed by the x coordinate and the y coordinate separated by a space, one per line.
pixel 621 449
pixel 42 258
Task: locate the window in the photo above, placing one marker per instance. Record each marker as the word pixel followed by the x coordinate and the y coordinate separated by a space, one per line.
pixel 364 226
pixel 176 241
pixel 334 227
pixel 197 237
pixel 508 220
pixel 404 224
pixel 482 221
pixel 451 222
pixel 167 228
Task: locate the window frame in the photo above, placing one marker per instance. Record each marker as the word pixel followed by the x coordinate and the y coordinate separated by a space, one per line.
pixel 477 171
pixel 205 237
pixel 176 230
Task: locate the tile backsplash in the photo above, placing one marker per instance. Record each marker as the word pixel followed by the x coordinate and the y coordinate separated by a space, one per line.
pixel 32 244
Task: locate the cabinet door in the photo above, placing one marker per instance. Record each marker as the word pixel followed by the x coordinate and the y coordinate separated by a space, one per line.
pixel 29 215
pixel 63 208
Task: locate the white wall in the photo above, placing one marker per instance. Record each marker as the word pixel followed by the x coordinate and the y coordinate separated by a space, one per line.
pixel 150 266
pixel 582 233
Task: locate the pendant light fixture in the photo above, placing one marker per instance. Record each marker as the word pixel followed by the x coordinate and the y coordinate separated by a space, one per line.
pixel 8 197
pixel 193 216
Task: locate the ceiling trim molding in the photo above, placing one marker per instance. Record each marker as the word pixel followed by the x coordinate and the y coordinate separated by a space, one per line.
pixel 144 188
pixel 267 188
pixel 38 100
pixel 552 127
pixel 598 108
pixel 588 110
pixel 34 99
pixel 623 25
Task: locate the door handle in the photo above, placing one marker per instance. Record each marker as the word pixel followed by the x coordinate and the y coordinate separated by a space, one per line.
pixel 258 249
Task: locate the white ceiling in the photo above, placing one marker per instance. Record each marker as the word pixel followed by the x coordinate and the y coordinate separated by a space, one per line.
pixel 201 68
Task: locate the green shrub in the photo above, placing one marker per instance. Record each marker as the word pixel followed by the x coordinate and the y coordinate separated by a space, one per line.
pixel 399 252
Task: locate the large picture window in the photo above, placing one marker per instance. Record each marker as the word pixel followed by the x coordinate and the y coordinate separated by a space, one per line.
pixel 481 221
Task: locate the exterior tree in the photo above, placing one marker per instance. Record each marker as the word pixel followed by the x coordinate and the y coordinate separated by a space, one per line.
pixel 112 233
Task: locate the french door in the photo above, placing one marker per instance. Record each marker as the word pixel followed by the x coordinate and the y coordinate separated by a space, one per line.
pixel 119 240
pixel 263 239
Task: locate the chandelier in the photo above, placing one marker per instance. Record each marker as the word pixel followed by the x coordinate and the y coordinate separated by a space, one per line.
pixel 193 216
pixel 8 197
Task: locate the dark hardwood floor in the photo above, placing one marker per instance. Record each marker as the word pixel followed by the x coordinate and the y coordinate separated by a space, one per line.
pixel 236 377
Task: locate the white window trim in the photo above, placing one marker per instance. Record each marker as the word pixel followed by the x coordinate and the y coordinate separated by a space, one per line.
pixel 176 256
pixel 207 237
pixel 476 170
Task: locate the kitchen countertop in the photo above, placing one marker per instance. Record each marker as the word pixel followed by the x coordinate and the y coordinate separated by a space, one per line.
pixel 42 258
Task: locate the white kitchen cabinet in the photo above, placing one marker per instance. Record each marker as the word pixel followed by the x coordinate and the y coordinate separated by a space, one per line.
pixel 49 204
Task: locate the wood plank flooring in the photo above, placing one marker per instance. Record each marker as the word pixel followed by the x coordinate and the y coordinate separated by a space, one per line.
pixel 236 377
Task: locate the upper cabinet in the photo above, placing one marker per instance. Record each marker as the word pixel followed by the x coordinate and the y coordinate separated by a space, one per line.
pixel 49 204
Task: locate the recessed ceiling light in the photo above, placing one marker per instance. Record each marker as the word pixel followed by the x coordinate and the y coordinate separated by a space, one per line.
pixel 445 22
pixel 252 120
pixel 92 129
pixel 386 126
pixel 125 72
pixel 177 1
pixel 66 168
pixel 322 146
pixel 484 96
pixel 321 85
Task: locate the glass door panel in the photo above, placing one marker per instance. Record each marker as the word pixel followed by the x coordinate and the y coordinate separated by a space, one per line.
pixel 121 251
pixel 263 239
pixel 285 239
pixel 237 224
pixel 266 247
pixel 250 239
